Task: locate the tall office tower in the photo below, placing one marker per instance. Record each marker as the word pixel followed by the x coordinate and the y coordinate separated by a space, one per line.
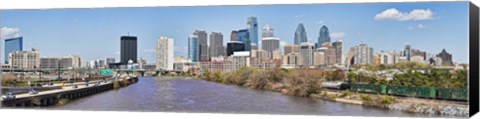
pixel 193 48
pixel 267 31
pixel 25 59
pixel 165 53
pixel 234 46
pixel 323 37
pixel 407 51
pixel 216 45
pixel 306 54
pixel 202 42
pixel 233 35
pixel 244 37
pixel 252 27
pixel 290 48
pixel 445 57
pixel 363 54
pixel 12 45
pixel 270 44
pixel 300 35
pixel 128 49
pixel 339 53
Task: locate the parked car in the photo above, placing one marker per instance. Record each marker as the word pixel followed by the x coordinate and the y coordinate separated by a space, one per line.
pixel 8 96
pixel 75 86
pixel 31 91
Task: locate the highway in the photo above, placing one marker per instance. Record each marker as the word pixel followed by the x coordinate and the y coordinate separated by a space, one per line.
pixel 67 87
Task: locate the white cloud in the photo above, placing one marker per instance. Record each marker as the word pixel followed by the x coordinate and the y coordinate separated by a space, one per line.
pixel 117 53
pixel 8 32
pixel 337 35
pixel 394 14
pixel 319 22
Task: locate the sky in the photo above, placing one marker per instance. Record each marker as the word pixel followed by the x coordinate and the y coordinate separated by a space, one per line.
pixel 95 33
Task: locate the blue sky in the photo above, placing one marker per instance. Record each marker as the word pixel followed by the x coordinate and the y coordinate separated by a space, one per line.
pixel 95 33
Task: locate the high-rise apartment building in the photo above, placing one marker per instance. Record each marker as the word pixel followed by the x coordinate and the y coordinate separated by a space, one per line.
pixel 165 53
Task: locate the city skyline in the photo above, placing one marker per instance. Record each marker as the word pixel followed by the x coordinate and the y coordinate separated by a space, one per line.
pixel 419 24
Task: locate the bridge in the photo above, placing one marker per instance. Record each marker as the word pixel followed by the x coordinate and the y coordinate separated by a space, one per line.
pixel 144 71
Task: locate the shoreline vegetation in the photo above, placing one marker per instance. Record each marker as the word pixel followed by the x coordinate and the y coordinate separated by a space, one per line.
pixel 306 83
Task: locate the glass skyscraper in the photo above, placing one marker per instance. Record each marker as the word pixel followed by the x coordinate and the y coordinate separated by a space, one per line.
pixel 253 29
pixel 11 45
pixel 323 37
pixel 244 36
pixel 193 48
pixel 300 34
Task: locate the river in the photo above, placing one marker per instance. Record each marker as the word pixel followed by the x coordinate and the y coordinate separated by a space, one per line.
pixel 191 95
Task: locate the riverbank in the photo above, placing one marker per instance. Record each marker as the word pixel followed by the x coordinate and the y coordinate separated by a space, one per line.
pixel 305 83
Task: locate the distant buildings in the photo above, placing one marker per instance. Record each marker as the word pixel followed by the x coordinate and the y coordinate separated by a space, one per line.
pixel 243 36
pixel 252 27
pixel 290 48
pixel 270 44
pixel 339 52
pixel 216 45
pixel 193 48
pixel 24 59
pixel 60 62
pixel 267 31
pixel 234 46
pixel 306 54
pixel 164 53
pixel 300 35
pixel 234 35
pixel 363 54
pixel 446 58
pixel 324 36
pixel 203 46
pixel 12 45
pixel 128 49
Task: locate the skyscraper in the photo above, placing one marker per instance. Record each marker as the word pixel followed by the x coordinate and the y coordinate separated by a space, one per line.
pixel 244 37
pixel 252 27
pixel 267 31
pixel 128 49
pixel 306 54
pixel 233 35
pixel 300 35
pixel 165 53
pixel 323 37
pixel 270 44
pixel 12 45
pixel 202 42
pixel 216 44
pixel 338 46
pixel 193 48
pixel 363 54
